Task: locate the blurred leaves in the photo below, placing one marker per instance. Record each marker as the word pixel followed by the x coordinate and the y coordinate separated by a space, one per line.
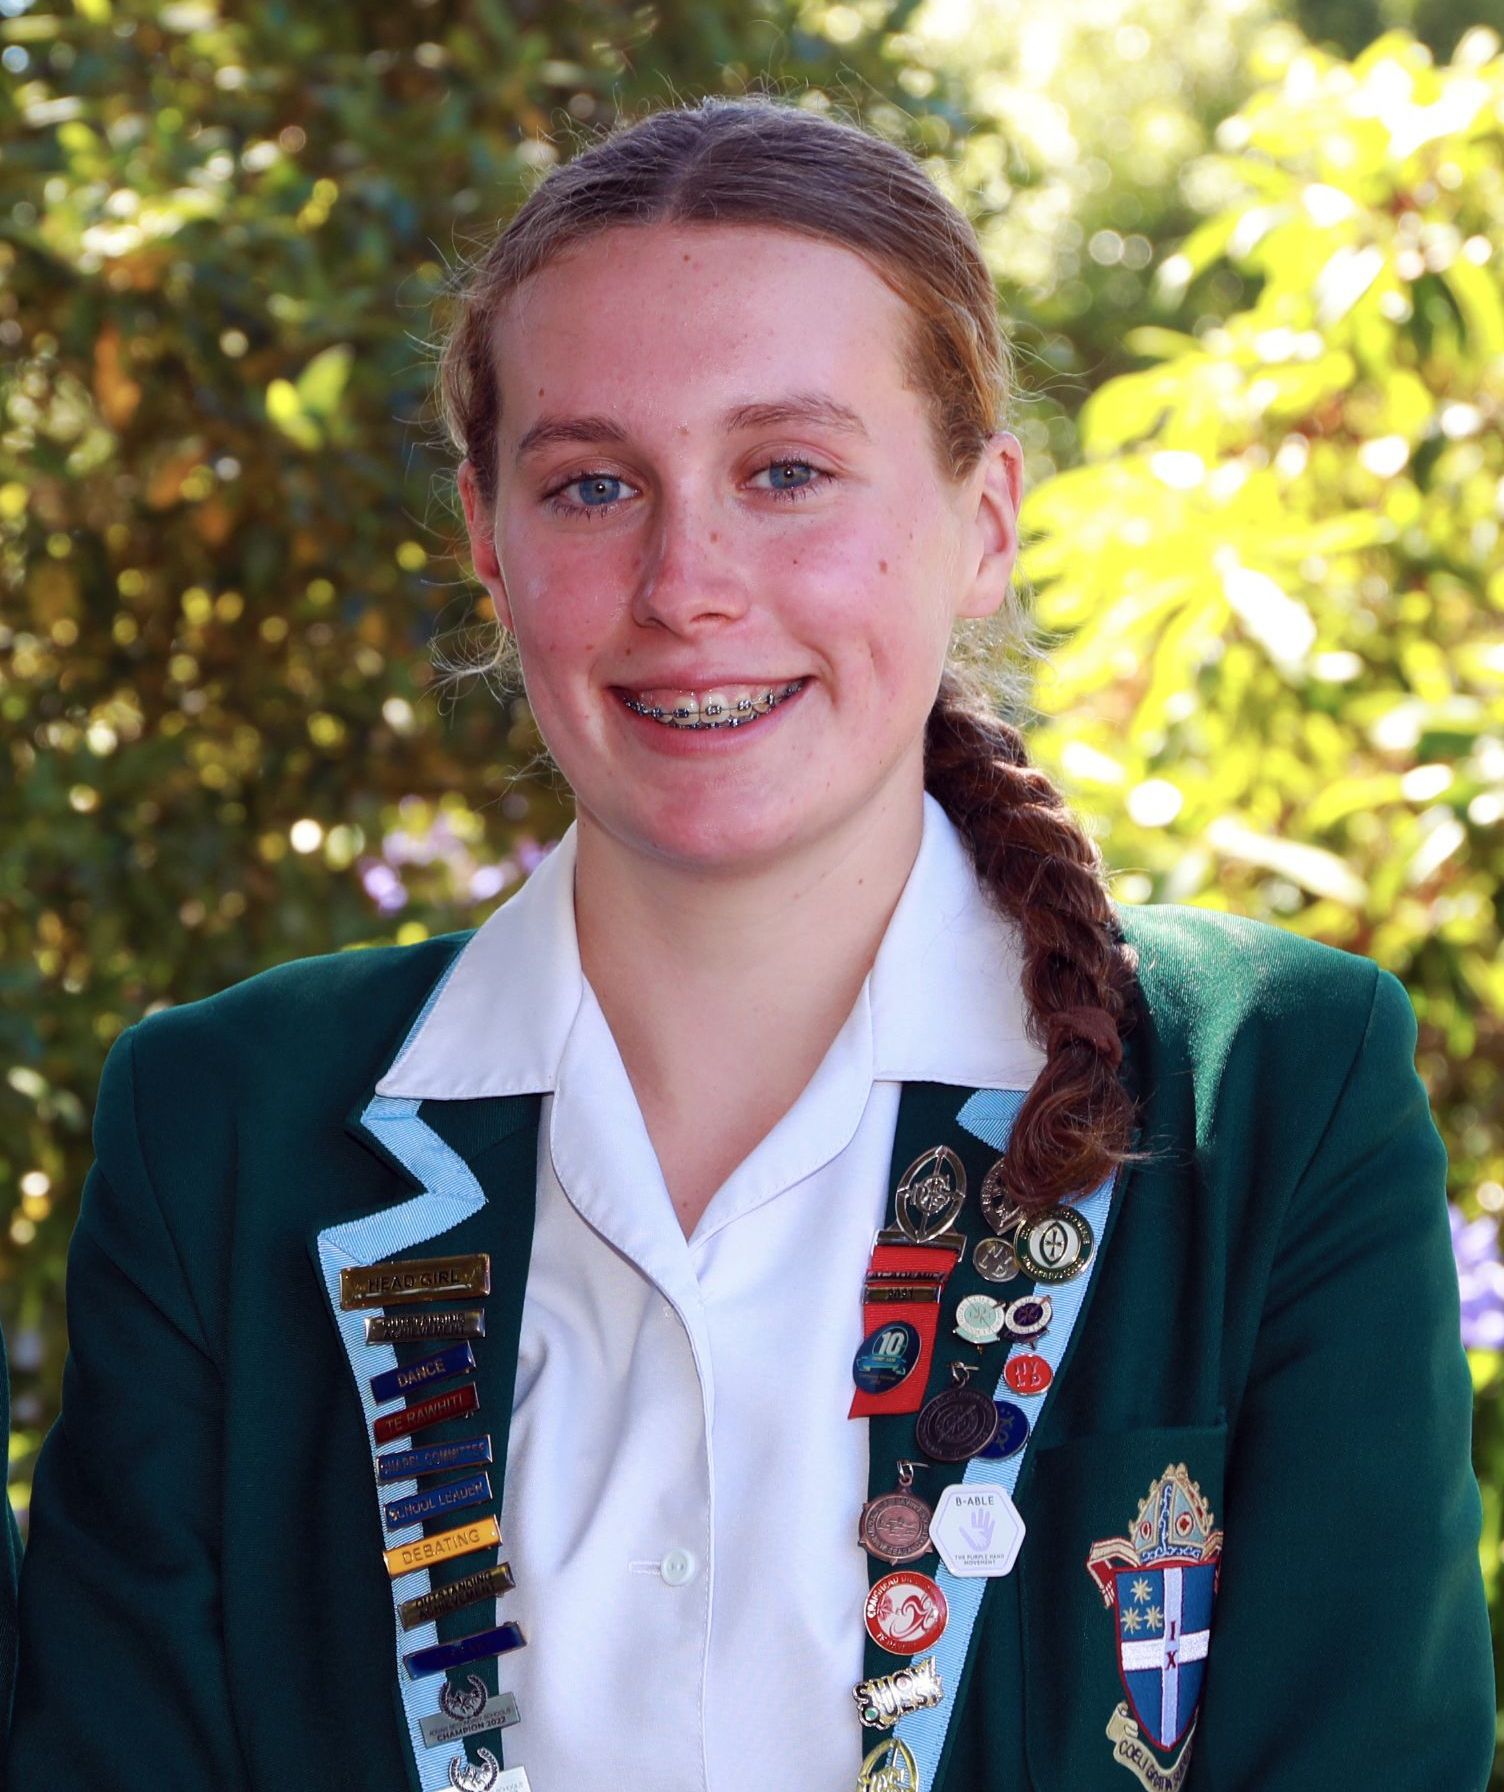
pixel 1256 298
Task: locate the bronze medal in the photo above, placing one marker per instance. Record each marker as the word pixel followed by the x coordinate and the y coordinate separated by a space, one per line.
pixel 957 1423
pixel 895 1527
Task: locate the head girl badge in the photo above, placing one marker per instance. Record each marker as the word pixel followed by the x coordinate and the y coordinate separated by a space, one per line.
pixel 1161 1583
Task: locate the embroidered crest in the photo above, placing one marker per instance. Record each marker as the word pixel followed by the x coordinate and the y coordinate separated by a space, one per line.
pixel 1160 1583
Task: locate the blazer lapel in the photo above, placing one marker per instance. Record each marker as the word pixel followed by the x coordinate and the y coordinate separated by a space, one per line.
pixel 975 1124
pixel 468 1172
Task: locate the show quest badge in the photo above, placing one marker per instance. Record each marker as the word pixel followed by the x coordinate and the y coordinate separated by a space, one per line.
pixel 1161 1583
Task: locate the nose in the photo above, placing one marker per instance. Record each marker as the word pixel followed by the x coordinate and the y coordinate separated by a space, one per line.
pixel 690 575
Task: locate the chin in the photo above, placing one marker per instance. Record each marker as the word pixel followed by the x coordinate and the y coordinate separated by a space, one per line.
pixel 713 836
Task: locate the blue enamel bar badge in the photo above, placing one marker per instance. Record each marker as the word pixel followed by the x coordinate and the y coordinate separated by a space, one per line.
pixel 410 1378
pixel 1161 1584
pixel 454 1497
pixel 500 1639
pixel 432 1459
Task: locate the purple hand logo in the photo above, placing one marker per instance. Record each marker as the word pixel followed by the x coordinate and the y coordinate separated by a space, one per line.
pixel 979 1529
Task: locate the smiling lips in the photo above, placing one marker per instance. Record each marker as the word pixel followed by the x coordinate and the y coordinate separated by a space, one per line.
pixel 725 706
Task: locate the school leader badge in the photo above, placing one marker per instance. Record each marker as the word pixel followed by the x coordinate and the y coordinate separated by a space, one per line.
pixel 1160 1582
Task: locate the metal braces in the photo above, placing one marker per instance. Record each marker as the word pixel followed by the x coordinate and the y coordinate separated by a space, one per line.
pixel 746 706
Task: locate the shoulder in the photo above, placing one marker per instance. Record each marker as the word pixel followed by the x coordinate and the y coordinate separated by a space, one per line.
pixel 1239 1021
pixel 1209 977
pixel 313 1030
pixel 308 1000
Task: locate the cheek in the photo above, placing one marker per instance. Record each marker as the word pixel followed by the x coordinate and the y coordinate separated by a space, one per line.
pixel 561 618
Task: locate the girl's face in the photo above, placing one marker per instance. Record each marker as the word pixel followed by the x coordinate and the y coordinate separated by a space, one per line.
pixel 713 484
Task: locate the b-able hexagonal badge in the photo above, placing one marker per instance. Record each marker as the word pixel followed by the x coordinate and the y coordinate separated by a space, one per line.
pixel 977 1529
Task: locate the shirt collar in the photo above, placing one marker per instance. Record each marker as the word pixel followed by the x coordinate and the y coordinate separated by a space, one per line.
pixel 944 994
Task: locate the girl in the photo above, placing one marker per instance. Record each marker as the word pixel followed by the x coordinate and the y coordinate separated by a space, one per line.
pixel 812 1293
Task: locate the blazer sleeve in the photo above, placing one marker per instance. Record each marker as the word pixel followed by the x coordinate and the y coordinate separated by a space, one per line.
pixel 1350 1615
pixel 122 1678
pixel 10 1561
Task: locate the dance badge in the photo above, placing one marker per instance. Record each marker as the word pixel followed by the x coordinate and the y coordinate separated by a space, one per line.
pixel 1161 1583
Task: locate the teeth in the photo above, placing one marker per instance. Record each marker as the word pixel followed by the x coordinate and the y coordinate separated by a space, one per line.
pixel 715 708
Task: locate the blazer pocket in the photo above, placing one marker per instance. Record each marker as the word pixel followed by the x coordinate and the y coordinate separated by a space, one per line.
pixel 1117 1584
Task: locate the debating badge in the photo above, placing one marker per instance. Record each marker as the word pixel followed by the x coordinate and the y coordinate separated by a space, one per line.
pixel 1161 1583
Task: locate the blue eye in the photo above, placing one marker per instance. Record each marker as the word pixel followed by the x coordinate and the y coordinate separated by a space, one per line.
pixel 601 491
pixel 595 490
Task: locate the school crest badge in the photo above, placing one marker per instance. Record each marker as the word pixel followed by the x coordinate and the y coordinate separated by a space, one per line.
pixel 1160 1583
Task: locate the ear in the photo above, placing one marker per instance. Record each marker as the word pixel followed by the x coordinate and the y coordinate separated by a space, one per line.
pixel 480 524
pixel 997 482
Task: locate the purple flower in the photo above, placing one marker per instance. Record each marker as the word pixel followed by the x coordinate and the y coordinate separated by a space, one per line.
pixel 1480 1276
pixel 382 885
pixel 487 881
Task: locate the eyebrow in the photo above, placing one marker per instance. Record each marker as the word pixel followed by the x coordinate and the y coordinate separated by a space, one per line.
pixel 817 408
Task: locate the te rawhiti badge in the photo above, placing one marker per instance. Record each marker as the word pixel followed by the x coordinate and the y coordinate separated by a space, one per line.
pixel 977 1529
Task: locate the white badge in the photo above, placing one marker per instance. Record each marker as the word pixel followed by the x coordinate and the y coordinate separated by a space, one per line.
pixel 977 1529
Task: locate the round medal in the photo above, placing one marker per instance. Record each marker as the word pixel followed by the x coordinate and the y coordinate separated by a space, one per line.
pixel 1028 1317
pixel 886 1356
pixel 1027 1374
pixel 895 1527
pixel 993 1260
pixel 906 1612
pixel 979 1319
pixel 1012 1431
pixel 1055 1245
pixel 999 1209
pixel 957 1423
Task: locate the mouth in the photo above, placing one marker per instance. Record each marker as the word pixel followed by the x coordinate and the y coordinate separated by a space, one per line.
pixel 725 706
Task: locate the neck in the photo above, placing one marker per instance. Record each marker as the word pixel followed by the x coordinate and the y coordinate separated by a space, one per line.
pixel 724 992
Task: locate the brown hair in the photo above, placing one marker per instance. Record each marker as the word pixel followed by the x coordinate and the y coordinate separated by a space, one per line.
pixel 762 160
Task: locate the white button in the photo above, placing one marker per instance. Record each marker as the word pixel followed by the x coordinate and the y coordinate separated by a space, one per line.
pixel 677 1567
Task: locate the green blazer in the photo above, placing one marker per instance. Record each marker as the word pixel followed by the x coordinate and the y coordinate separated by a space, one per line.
pixel 10 1561
pixel 1260 1416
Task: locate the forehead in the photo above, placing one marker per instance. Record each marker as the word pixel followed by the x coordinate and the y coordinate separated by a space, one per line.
pixel 663 314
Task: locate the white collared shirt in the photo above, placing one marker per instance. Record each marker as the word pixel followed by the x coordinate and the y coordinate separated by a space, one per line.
pixel 682 1483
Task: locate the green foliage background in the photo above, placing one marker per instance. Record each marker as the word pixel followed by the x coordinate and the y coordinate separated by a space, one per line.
pixel 1250 256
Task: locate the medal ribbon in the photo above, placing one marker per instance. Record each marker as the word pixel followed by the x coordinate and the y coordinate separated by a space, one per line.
pixel 908 1268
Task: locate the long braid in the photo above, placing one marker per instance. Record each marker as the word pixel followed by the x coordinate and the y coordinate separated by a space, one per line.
pixel 1079 975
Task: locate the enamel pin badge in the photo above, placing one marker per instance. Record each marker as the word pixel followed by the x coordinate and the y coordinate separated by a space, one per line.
pixel 1160 1583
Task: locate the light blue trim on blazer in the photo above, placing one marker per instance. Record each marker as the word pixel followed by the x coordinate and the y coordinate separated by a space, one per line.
pixel 990 1114
pixel 451 1194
